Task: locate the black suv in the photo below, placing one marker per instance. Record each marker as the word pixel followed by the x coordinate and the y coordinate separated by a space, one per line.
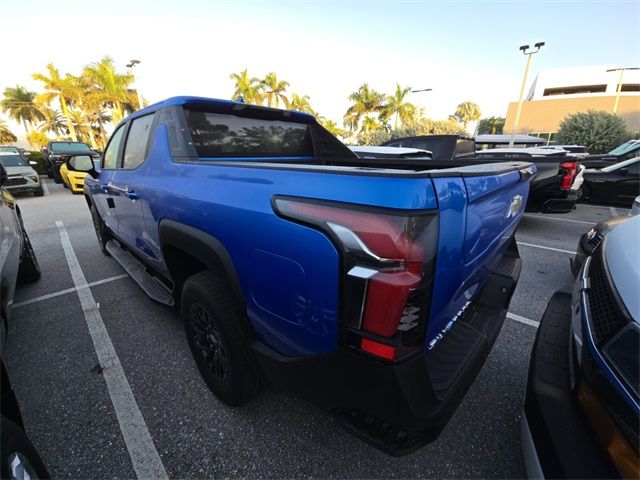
pixel 57 152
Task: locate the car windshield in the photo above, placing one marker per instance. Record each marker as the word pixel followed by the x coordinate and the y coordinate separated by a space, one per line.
pixel 9 149
pixel 69 147
pixel 13 161
pixel 625 147
pixel 617 166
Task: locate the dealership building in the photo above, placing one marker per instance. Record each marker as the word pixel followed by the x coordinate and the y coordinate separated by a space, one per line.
pixel 557 93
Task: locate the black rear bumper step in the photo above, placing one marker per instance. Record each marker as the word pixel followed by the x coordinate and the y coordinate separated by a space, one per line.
pixel 138 273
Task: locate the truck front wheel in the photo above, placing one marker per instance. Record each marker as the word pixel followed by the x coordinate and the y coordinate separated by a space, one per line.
pixel 102 231
pixel 217 341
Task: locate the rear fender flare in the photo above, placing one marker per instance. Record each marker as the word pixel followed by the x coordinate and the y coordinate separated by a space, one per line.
pixel 205 248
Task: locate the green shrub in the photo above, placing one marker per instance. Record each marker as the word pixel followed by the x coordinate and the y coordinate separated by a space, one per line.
pixel 599 131
pixel 39 159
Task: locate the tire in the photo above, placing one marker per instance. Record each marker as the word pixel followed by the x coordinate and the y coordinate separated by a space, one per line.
pixel 39 192
pixel 586 193
pixel 65 185
pixel 56 177
pixel 14 442
pixel 29 270
pixel 103 233
pixel 49 170
pixel 218 342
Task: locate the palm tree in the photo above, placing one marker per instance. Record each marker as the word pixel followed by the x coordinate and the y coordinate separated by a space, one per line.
pixel 274 90
pixel 6 135
pixel 370 124
pixel 58 88
pixel 467 112
pixel 247 88
pixel 19 104
pixel 111 87
pixel 364 101
pixel 398 108
pixel 491 125
pixel 332 127
pixel 301 103
pixel 52 122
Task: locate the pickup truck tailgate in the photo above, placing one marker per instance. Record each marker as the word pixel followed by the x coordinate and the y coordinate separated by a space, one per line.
pixel 495 204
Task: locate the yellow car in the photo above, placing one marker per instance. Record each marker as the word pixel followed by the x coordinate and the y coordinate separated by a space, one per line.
pixel 72 178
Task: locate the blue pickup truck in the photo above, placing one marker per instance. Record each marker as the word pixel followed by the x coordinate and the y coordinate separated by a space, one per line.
pixel 375 292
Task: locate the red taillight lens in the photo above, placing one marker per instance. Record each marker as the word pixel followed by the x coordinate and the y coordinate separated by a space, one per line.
pixel 571 169
pixel 388 259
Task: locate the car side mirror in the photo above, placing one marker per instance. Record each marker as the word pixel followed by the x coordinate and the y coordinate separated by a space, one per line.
pixel 31 162
pixel 44 150
pixel 82 163
pixel 3 175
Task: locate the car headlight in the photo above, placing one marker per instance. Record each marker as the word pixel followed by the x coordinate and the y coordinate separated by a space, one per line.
pixel 33 177
pixel 591 233
pixel 622 353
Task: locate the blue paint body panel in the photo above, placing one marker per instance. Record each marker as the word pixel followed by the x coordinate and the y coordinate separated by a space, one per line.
pixel 290 274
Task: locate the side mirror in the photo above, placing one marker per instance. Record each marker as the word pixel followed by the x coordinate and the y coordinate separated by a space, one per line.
pixel 3 175
pixel 82 163
pixel 31 162
pixel 44 150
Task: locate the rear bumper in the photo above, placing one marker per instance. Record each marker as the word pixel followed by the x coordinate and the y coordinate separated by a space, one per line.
pixel 556 441
pixel 417 396
pixel 562 204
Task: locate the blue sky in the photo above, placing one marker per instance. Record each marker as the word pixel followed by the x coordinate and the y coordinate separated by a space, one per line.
pixel 463 50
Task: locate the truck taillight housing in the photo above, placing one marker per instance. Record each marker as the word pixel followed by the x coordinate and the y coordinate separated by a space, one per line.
pixel 570 167
pixel 387 266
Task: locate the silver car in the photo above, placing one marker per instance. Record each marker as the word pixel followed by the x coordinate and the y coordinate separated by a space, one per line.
pixel 21 177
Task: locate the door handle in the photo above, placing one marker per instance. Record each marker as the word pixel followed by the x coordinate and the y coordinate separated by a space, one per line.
pixel 131 195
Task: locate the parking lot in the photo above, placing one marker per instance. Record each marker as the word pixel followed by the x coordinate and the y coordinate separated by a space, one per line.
pixel 67 400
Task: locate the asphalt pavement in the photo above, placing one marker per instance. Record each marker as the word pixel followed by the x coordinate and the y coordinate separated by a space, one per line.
pixel 69 411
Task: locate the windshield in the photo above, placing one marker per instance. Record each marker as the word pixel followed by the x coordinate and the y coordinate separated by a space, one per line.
pixel 9 149
pixel 617 166
pixel 625 147
pixel 69 147
pixel 13 161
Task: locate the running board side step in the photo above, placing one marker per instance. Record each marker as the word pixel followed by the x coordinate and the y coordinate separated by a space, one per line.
pixel 137 272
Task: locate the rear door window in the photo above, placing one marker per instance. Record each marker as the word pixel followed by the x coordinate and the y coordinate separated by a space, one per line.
pixel 218 135
pixel 135 150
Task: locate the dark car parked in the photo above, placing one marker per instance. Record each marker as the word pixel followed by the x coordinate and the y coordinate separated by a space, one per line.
pixel 18 264
pixel 56 153
pixel 622 152
pixel 582 406
pixel 618 184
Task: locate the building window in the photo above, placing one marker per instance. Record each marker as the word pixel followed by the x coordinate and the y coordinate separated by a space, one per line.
pixel 574 90
pixel 630 87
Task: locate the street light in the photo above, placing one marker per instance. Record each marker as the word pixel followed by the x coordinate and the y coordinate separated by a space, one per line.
pixel 525 50
pixel 619 87
pixel 132 63
pixel 422 90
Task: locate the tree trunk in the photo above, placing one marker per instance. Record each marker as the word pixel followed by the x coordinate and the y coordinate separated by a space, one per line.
pixel 65 112
pixel 26 129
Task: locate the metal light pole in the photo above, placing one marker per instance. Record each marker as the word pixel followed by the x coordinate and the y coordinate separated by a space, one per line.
pixel 530 53
pixel 619 87
pixel 130 66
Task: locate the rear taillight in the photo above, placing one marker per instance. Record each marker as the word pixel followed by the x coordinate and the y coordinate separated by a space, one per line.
pixel 570 172
pixel 387 271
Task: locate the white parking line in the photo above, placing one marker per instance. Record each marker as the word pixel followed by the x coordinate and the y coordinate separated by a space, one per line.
pixel 67 290
pixel 614 212
pixel 143 453
pixel 45 187
pixel 546 248
pixel 524 320
pixel 541 217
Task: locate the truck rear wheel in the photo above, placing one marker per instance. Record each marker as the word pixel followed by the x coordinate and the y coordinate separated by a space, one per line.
pixel 216 338
pixel 102 231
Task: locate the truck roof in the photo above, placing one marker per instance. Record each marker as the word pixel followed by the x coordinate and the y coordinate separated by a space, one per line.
pixel 214 102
